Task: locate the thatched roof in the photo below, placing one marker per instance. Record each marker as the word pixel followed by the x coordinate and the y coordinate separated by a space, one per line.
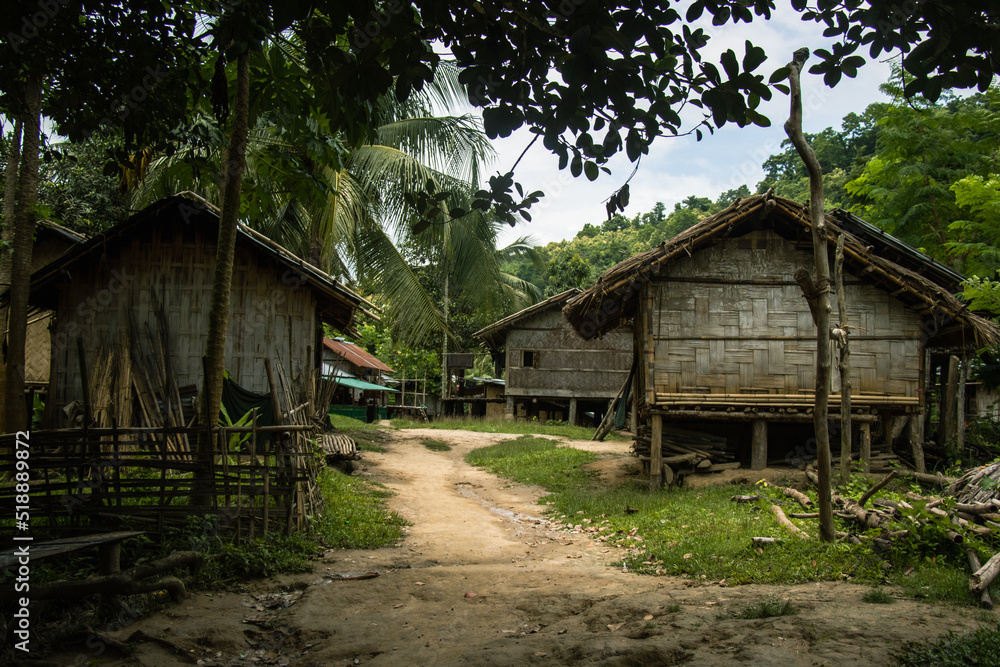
pixel 495 335
pixel 909 275
pixel 335 302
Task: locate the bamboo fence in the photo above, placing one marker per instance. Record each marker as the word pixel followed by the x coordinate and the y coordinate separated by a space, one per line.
pixel 87 479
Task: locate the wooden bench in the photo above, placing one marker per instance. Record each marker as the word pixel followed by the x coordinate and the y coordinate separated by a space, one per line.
pixel 109 549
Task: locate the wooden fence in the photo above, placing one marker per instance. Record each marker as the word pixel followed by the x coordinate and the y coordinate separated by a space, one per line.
pixel 82 480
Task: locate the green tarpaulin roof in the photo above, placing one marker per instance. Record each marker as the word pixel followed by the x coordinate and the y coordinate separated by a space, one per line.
pixel 360 384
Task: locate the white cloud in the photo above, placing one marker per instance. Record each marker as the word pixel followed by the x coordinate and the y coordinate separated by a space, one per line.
pixel 677 168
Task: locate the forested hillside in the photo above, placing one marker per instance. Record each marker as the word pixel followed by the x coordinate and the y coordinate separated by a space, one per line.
pixel 925 172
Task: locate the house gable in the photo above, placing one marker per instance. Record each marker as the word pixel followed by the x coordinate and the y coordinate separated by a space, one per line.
pixel 731 320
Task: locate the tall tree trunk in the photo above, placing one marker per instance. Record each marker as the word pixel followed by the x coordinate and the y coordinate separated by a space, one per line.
pixel 218 323
pixel 20 276
pixel 6 241
pixel 445 375
pixel 793 128
pixel 9 201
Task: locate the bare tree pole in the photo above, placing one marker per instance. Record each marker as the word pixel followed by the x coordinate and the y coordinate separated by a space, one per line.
pixel 843 335
pixel 793 128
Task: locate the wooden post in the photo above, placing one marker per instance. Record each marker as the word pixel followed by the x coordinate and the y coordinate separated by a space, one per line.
pixel 845 365
pixel 889 423
pixel 963 378
pixel 656 454
pixel 508 411
pixel 572 412
pixel 108 562
pixel 916 444
pixel 758 447
pixel 948 429
pixel 925 419
pixel 865 436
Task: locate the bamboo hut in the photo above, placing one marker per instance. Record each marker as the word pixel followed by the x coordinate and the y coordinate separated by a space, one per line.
pixel 139 294
pixel 549 372
pixel 725 343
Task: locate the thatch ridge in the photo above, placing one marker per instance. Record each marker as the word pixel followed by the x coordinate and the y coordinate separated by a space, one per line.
pixel 615 295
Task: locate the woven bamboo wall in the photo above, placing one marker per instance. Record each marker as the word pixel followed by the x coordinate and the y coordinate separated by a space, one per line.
pixel 567 366
pixel 731 319
pixel 173 267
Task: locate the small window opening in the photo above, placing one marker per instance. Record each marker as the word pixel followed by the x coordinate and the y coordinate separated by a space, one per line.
pixel 530 359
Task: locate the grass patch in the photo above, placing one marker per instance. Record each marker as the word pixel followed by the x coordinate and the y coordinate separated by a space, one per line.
pixel 436 445
pixel 356 514
pixel 981 647
pixel 531 460
pixel 345 423
pixel 878 595
pixel 504 426
pixel 701 533
pixel 768 609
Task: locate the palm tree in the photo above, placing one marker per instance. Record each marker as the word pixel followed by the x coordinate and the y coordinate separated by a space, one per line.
pixel 353 221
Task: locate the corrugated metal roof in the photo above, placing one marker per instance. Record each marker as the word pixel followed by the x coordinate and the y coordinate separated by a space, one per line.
pixel 355 355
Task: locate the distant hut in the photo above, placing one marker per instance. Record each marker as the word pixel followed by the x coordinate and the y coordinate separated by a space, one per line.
pixel 727 345
pixel 360 377
pixel 549 372
pixel 51 242
pixel 135 300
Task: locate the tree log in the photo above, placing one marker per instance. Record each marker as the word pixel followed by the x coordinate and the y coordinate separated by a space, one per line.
pixel 800 497
pixel 985 601
pixel 978 508
pixel 877 487
pixel 767 540
pixel 784 521
pixel 121 583
pixel 984 576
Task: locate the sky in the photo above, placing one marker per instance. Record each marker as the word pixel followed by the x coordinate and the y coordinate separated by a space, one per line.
pixel 677 168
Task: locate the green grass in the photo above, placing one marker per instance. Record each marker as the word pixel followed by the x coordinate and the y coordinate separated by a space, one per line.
pixel 436 445
pixel 349 423
pixel 768 609
pixel 702 534
pixel 878 595
pixel 532 460
pixel 515 427
pixel 356 515
pixel 981 647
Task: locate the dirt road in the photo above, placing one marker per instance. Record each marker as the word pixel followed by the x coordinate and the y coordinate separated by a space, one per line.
pixel 483 579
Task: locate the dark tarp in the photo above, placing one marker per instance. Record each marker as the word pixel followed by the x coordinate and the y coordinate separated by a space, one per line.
pixel 239 401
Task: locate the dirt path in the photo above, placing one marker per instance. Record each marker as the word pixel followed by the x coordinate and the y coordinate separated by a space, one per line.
pixel 481 579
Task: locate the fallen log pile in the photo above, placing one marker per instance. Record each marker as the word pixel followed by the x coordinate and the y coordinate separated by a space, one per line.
pixel 975 513
pixel 686 452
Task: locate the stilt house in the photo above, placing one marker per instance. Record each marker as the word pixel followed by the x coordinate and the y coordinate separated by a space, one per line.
pixel 725 342
pixel 549 372
pixel 135 300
